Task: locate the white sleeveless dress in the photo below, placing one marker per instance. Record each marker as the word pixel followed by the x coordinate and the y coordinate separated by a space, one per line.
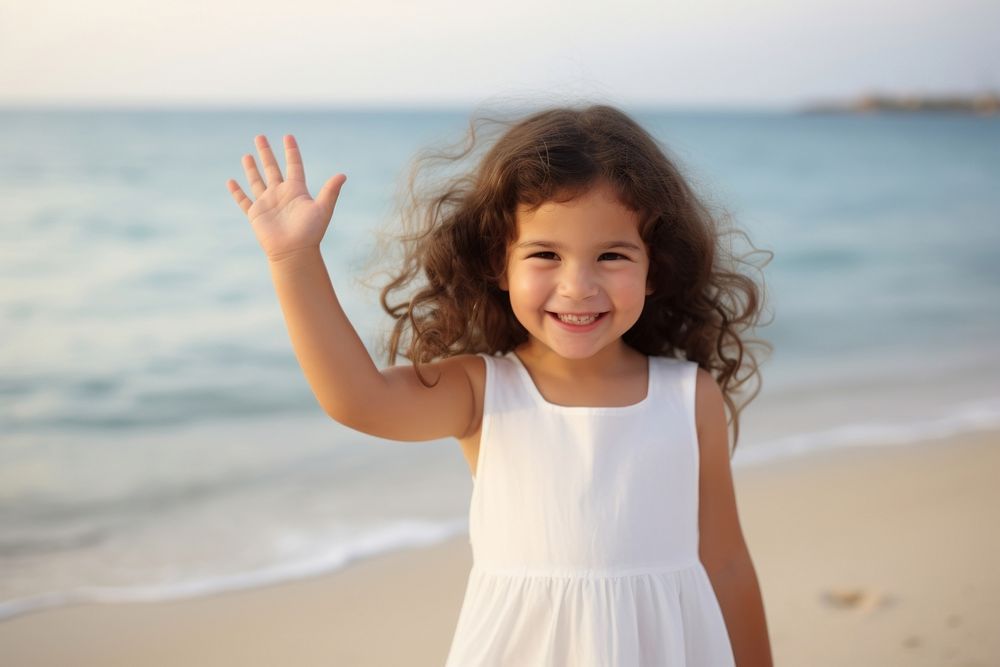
pixel 584 531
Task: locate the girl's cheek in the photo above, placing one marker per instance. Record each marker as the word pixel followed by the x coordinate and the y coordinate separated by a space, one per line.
pixel 530 280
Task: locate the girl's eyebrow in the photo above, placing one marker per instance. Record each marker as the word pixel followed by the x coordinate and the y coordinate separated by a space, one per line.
pixel 557 246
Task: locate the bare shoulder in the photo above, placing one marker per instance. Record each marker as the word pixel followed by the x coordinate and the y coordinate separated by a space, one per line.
pixel 471 365
pixel 721 537
pixel 708 398
pixel 474 368
pixel 449 368
pixel 710 417
pixel 438 399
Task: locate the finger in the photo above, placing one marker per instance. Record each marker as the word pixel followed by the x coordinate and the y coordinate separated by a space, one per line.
pixel 238 195
pixel 257 186
pixel 330 191
pixel 293 160
pixel 271 169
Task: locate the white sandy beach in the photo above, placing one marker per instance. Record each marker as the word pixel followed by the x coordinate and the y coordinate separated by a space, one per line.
pixel 875 556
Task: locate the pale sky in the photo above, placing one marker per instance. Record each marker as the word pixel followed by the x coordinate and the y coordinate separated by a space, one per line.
pixel 763 53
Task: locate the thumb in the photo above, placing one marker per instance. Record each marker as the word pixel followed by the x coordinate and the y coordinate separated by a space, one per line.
pixel 330 191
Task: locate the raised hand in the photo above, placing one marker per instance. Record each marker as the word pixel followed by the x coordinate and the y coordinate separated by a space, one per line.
pixel 285 219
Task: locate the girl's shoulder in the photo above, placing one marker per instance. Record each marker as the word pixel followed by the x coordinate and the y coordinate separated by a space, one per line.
pixel 474 366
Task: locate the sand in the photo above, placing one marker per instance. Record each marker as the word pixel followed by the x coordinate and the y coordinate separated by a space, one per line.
pixel 866 556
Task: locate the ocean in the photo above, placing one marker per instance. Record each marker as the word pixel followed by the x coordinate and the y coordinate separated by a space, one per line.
pixel 158 439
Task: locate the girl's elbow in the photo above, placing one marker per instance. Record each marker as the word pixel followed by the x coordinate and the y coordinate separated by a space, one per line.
pixel 351 416
pixel 737 562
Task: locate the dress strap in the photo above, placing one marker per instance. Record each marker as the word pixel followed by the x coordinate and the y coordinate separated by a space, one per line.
pixel 504 389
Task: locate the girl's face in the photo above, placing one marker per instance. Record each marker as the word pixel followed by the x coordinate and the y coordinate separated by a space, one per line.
pixel 577 273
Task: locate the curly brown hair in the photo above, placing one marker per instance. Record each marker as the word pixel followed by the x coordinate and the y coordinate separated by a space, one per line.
pixel 457 232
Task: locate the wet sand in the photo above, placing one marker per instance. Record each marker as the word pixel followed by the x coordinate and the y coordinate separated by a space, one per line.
pixel 874 556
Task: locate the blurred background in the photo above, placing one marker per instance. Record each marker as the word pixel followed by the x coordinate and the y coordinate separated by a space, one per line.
pixel 157 437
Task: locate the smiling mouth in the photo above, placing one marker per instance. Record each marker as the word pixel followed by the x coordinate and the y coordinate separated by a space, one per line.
pixel 578 318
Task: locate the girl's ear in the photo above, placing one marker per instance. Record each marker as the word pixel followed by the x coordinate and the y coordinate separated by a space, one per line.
pixel 649 288
pixel 502 283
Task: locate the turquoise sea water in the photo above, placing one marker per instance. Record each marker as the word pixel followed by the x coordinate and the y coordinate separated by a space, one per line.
pixel 158 439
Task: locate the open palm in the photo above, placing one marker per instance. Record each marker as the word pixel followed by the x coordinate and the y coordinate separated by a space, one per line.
pixel 285 218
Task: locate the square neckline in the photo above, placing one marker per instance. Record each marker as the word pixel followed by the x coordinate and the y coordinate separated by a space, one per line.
pixel 536 394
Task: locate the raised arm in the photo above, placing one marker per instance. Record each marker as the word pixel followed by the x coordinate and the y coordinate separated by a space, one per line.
pixel 393 404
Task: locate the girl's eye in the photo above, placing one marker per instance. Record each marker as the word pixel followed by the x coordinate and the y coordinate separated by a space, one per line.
pixel 544 255
pixel 613 255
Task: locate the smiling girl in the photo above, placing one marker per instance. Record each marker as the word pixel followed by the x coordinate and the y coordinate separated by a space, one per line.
pixel 575 325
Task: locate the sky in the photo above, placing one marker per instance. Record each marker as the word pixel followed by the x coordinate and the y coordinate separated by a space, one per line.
pixel 446 53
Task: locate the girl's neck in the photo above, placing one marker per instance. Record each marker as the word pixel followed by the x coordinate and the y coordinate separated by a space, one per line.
pixel 615 359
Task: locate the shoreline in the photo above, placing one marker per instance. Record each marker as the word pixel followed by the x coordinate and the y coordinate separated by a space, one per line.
pixel 868 555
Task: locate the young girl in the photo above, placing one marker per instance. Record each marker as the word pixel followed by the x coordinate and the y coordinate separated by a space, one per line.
pixel 567 301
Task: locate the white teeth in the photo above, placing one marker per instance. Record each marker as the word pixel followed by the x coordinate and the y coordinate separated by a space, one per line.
pixel 576 319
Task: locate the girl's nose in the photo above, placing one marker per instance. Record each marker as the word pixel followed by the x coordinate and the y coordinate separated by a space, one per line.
pixel 577 282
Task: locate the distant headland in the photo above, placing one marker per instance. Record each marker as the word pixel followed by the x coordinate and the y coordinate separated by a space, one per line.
pixel 987 104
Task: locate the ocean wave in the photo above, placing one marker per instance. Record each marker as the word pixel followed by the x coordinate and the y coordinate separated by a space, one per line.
pixel 386 539
pixel 980 415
